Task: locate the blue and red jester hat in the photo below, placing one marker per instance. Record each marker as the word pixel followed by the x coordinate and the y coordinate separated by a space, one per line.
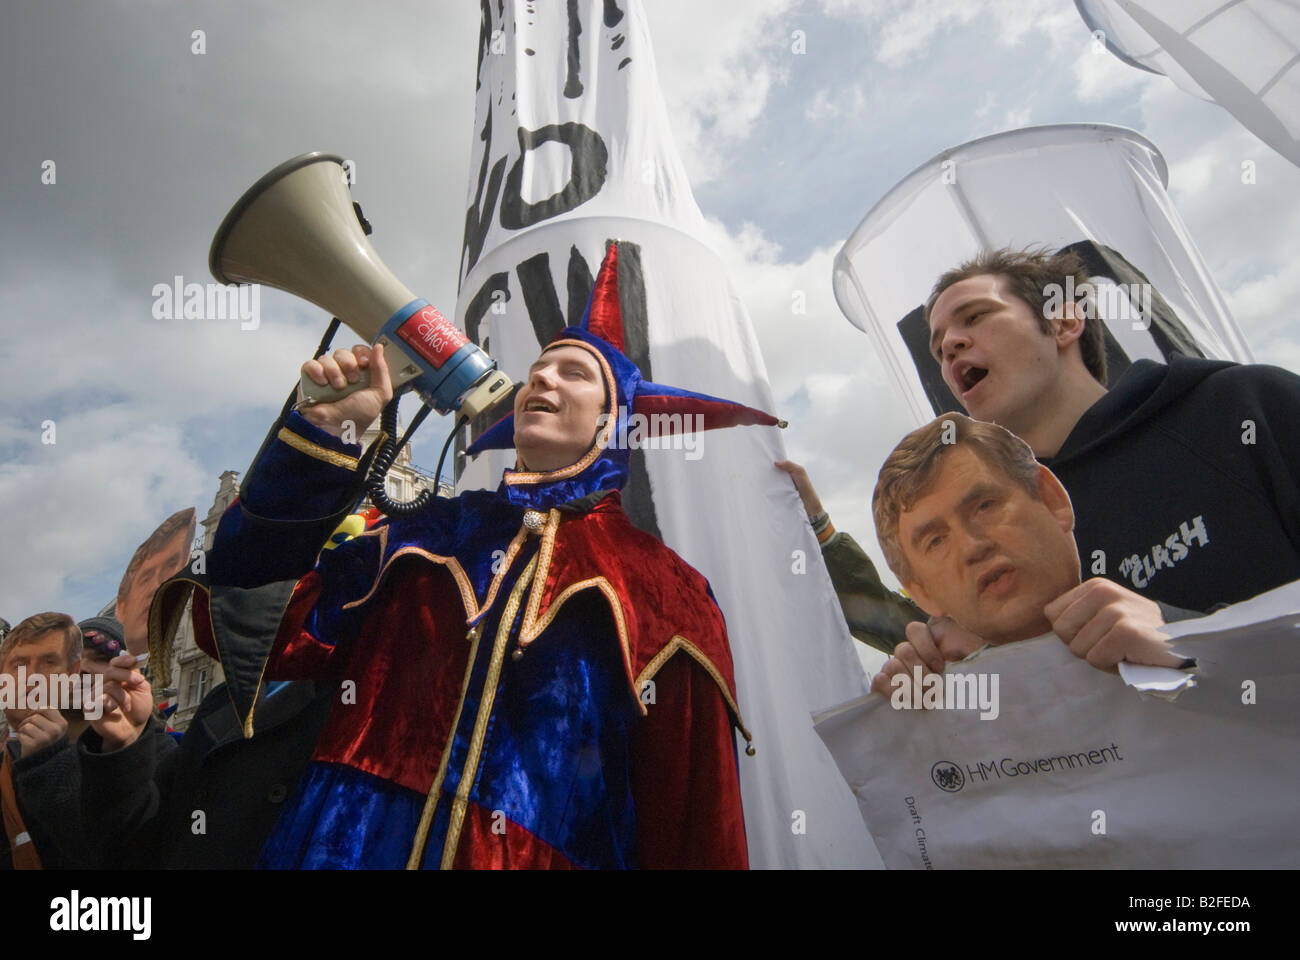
pixel 600 333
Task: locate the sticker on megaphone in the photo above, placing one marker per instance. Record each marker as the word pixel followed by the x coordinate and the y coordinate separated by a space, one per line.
pixel 426 350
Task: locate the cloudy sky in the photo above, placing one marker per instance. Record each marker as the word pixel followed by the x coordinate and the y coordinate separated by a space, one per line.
pixel 151 142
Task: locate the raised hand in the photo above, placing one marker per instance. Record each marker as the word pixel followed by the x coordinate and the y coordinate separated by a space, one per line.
pixel 1105 623
pixel 928 646
pixel 812 504
pixel 340 369
pixel 127 702
pixel 38 730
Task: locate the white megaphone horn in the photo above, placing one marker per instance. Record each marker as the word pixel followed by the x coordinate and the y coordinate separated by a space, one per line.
pixel 296 230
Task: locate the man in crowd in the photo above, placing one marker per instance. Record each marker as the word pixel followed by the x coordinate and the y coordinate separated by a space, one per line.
pixel 526 679
pixel 208 802
pixel 38 769
pixel 980 532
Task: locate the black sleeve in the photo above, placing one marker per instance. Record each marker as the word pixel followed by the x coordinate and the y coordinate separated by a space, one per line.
pixel 49 793
pixel 122 793
pixel 1173 614
pixel 1269 397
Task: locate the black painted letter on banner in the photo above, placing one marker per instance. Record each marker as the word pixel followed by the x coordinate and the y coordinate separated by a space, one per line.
pixel 540 298
pixel 476 223
pixel 588 156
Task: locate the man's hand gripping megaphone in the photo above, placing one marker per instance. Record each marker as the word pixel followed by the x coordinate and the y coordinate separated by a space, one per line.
pixel 339 370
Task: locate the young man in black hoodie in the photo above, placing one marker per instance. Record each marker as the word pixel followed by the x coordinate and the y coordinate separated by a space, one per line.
pixel 1185 478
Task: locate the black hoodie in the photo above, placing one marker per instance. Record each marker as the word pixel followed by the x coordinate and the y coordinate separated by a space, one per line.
pixel 1185 481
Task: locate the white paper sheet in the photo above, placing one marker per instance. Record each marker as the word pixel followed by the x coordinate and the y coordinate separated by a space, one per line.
pixel 1081 770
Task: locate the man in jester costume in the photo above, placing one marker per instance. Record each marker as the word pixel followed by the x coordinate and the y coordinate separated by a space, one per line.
pixel 528 680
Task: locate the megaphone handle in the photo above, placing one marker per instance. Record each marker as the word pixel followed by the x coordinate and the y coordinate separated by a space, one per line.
pixel 313 392
pixel 401 371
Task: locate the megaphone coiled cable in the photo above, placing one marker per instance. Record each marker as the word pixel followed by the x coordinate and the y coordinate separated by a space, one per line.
pixel 376 484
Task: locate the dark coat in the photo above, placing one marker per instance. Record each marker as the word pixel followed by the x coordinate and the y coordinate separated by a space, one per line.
pixel 47 787
pixel 1185 481
pixel 209 801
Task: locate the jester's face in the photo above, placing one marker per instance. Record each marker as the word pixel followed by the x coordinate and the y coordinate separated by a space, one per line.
pixel 558 409
pixel 577 397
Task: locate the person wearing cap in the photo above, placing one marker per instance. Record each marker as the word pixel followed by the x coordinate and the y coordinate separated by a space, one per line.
pixel 527 679
pixel 102 639
pixel 141 788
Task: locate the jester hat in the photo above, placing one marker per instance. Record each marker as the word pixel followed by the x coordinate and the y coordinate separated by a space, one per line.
pixel 666 409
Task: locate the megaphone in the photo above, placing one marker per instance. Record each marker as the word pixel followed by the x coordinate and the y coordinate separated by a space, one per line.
pixel 296 230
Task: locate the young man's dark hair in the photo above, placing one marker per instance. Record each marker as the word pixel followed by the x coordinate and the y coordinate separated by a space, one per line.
pixel 1031 274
